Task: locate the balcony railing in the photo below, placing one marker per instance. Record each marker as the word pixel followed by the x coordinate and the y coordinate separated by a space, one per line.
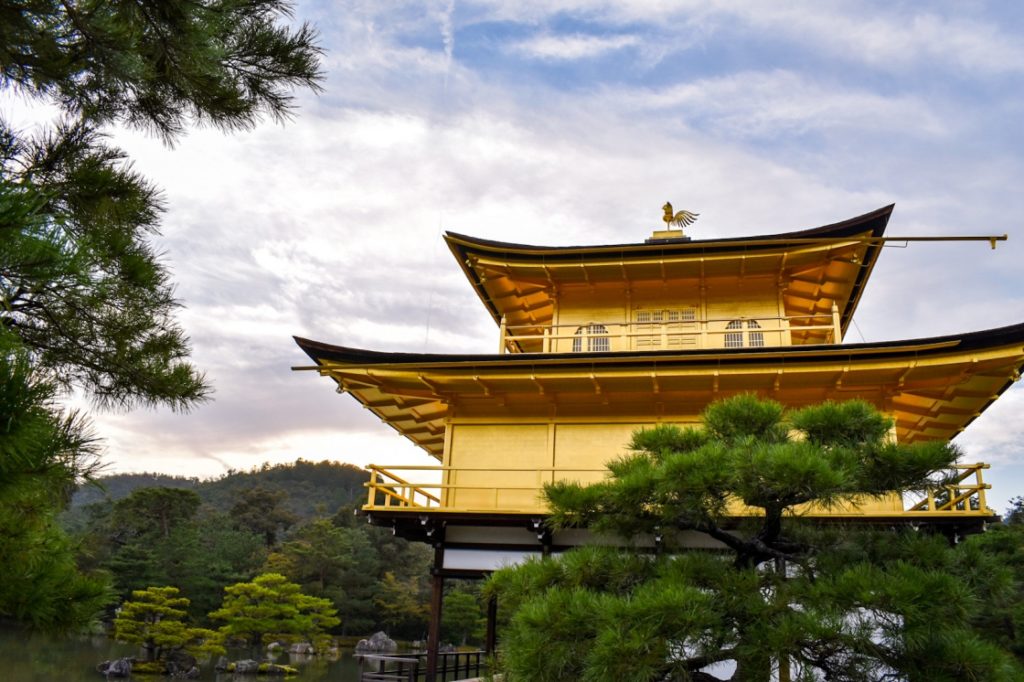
pixel 964 493
pixel 677 334
pixel 518 490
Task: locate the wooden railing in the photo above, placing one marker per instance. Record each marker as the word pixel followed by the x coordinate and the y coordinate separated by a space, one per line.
pixel 451 665
pixel 664 334
pixel 388 490
pixel 962 494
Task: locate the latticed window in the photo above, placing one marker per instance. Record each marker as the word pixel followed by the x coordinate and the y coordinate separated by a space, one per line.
pixel 593 338
pixel 754 339
pixel 734 339
pixel 675 328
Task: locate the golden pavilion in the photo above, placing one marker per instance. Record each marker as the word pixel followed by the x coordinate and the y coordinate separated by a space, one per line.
pixel 595 342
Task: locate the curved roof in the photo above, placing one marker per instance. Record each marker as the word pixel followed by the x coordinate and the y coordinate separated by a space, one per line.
pixel 819 267
pixel 934 387
pixel 873 222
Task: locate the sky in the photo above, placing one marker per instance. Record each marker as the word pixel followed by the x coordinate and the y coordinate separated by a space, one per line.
pixel 572 122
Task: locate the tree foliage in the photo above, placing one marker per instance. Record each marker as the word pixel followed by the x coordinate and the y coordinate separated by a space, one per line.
pixel 462 618
pixel 402 604
pixel 81 285
pixel 163 536
pixel 829 603
pixel 85 299
pixel 205 550
pixel 157 512
pixel 316 556
pixel 155 620
pixel 159 65
pixel 270 608
pixel 43 453
pixel 694 479
pixel 262 511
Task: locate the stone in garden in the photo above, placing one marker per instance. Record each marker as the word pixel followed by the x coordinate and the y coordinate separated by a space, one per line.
pixel 121 667
pixel 378 642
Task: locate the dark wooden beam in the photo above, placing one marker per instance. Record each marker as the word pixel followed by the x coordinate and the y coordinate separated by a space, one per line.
pixel 436 602
pixel 491 638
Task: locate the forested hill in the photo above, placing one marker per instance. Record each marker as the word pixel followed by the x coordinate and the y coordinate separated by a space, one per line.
pixel 202 536
pixel 308 486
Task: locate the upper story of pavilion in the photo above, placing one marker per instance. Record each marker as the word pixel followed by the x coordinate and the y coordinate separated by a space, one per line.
pixel 674 293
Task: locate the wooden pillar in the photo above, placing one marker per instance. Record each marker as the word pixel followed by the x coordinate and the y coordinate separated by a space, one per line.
pixel 491 638
pixel 436 602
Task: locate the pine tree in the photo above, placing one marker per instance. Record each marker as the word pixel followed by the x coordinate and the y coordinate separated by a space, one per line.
pixel 271 608
pixel 42 454
pixel 781 594
pixel 262 511
pixel 155 620
pixel 85 300
pixel 159 65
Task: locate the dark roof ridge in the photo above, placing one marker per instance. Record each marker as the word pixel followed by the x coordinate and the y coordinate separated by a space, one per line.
pixel 844 228
pixel 987 338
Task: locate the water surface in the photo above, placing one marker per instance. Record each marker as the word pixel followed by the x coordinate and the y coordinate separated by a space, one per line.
pixel 35 658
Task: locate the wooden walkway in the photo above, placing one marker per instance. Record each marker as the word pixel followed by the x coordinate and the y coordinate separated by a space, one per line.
pixel 451 667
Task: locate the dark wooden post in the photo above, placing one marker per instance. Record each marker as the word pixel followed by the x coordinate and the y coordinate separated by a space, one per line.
pixel 436 603
pixel 780 568
pixel 491 638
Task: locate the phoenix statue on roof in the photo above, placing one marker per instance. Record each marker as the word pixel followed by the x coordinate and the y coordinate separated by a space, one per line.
pixel 681 219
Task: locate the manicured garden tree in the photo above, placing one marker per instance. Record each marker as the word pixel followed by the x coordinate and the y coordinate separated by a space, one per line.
pixel 270 608
pixel 780 595
pixel 155 620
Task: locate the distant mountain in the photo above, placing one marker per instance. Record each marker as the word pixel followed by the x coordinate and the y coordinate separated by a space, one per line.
pixel 116 486
pixel 311 486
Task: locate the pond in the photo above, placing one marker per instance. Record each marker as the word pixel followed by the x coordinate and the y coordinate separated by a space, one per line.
pixel 35 658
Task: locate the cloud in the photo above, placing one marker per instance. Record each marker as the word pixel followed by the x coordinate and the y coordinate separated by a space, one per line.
pixel 447 36
pixel 571 47
pixel 880 34
pixel 769 103
pixel 330 227
pixel 892 37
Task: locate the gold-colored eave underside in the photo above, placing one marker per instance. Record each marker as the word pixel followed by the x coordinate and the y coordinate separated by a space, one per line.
pixel 931 397
pixel 811 277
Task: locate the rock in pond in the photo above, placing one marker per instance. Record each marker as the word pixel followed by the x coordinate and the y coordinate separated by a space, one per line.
pixel 377 643
pixel 120 667
pixel 180 664
pixel 302 648
pixel 251 667
pixel 246 666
